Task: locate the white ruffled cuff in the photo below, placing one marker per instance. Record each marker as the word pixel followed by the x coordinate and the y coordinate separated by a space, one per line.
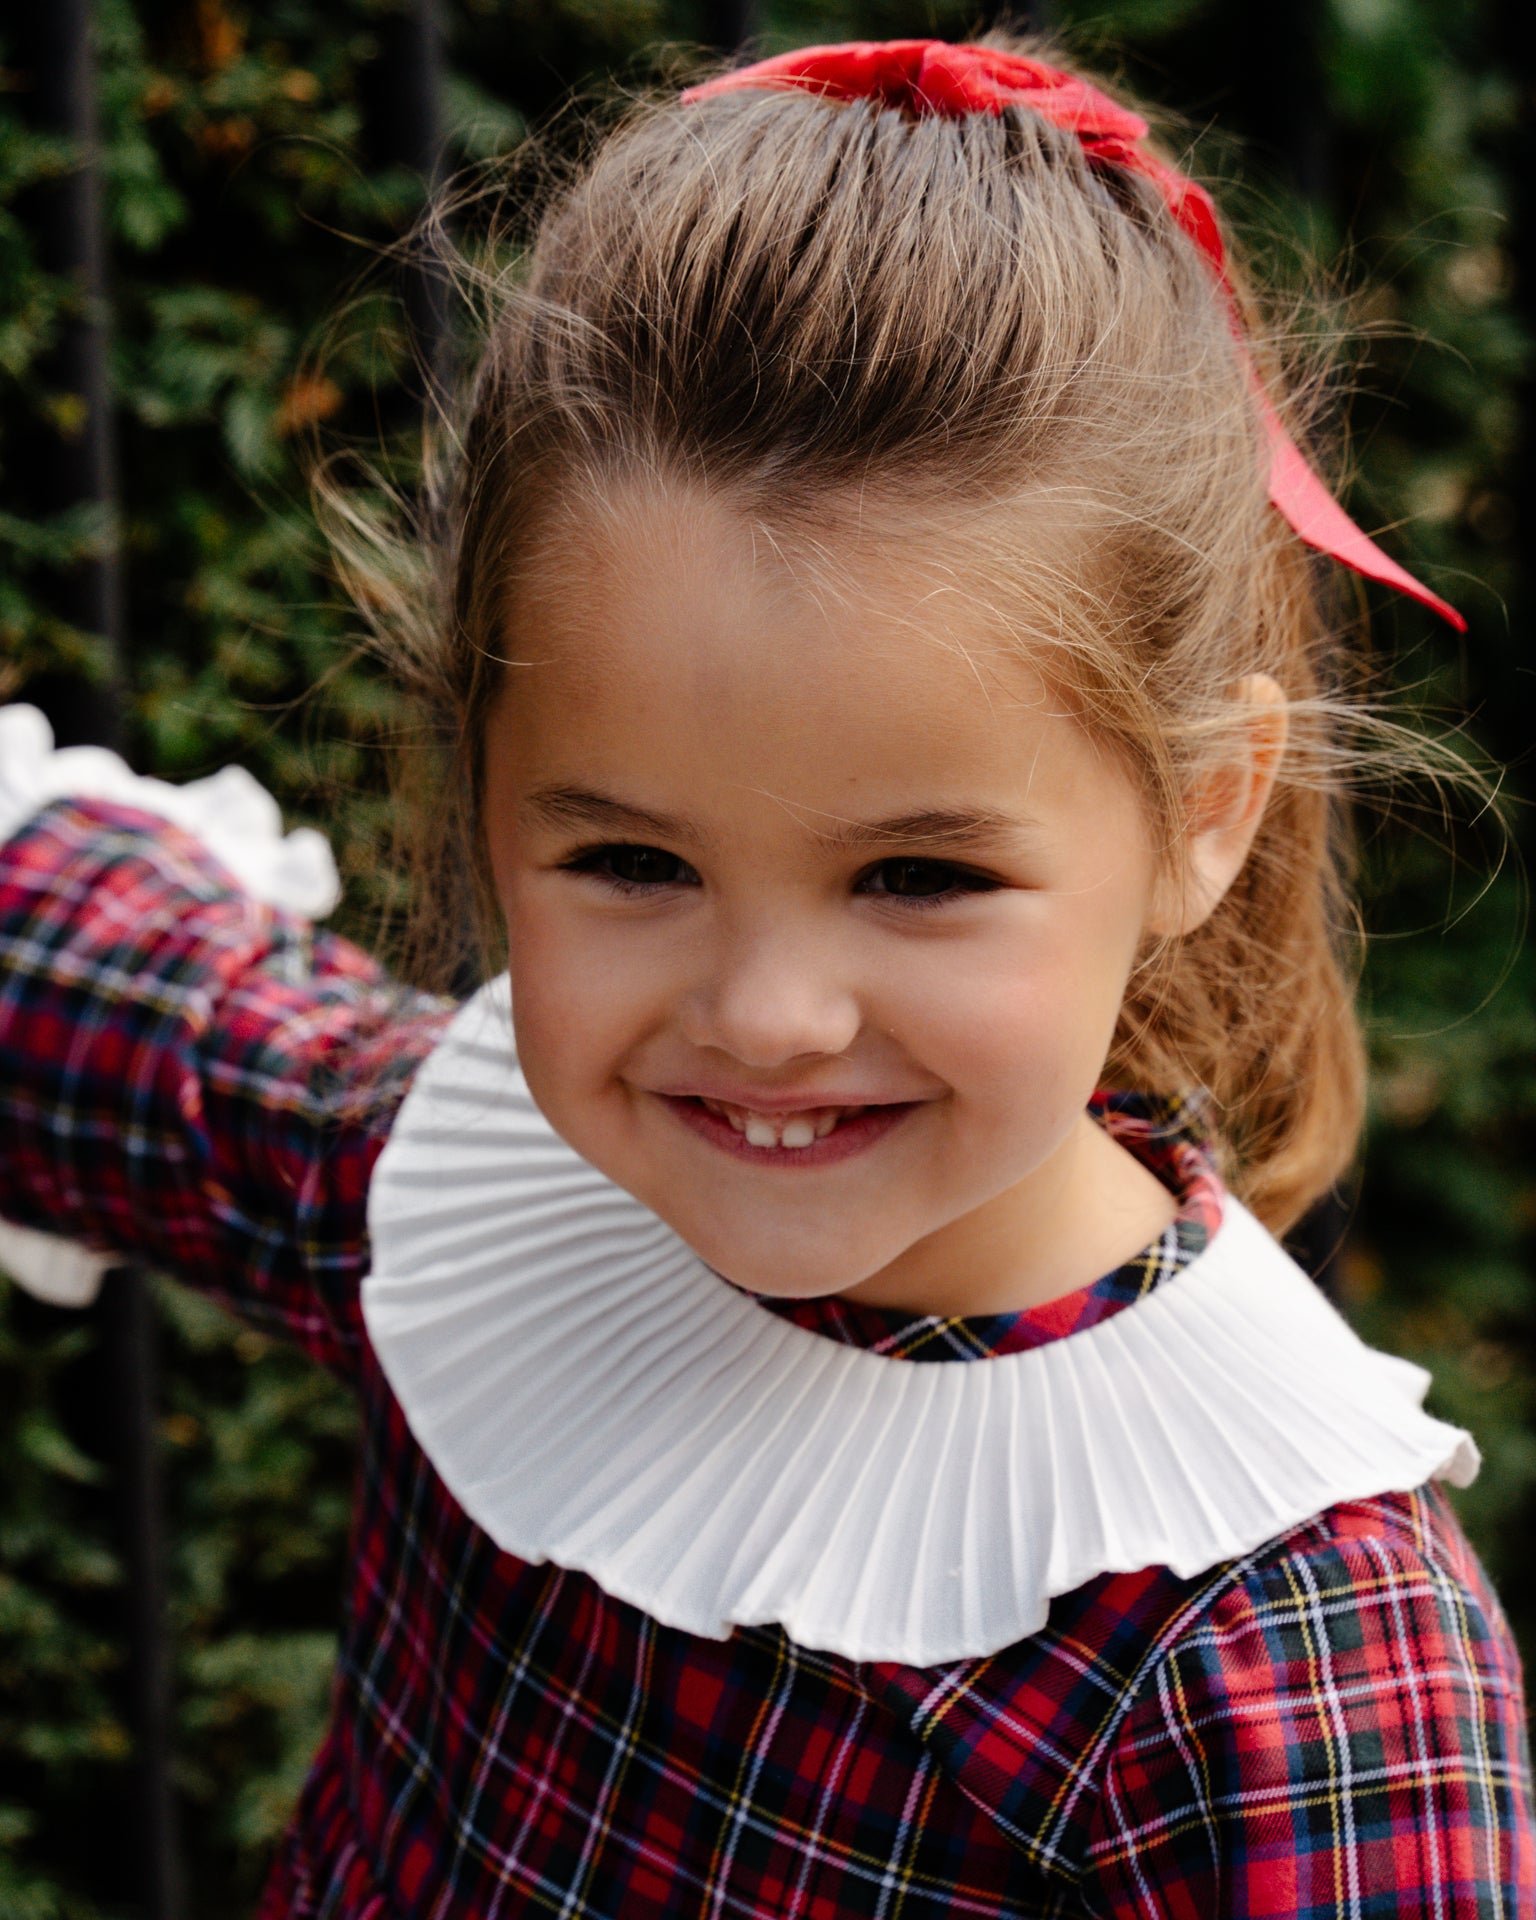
pixel 230 812
pixel 61 1272
pixel 235 818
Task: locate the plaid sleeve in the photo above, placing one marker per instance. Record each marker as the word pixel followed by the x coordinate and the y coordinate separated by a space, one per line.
pixel 1343 1734
pixel 190 1077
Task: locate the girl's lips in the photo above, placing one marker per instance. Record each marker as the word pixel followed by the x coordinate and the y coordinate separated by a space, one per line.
pixel 852 1134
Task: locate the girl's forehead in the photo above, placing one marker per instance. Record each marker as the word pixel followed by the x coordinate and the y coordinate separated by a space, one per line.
pixel 669 607
pixel 687 659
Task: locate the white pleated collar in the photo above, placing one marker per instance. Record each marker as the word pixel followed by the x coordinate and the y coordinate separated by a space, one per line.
pixel 594 1395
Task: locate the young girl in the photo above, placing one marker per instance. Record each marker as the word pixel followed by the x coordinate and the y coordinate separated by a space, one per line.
pixel 841 1437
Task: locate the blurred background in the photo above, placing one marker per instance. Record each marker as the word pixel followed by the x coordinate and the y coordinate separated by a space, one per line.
pixel 174 1508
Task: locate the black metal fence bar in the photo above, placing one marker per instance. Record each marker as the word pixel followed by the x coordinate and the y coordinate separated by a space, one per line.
pixel 729 25
pixel 404 127
pixel 1513 725
pixel 1282 93
pixel 132 1334
pixel 54 46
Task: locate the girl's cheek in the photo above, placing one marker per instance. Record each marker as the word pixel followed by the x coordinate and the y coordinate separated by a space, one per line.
pixel 1024 1028
pixel 549 989
pixel 583 996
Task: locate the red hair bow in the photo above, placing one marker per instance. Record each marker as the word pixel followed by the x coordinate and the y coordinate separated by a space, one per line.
pixel 931 76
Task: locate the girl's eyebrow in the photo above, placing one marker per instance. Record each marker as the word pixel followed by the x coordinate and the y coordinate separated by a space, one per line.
pixel 948 827
pixel 581 807
pixel 934 827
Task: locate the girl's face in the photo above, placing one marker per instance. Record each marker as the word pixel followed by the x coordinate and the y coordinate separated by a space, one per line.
pixel 821 911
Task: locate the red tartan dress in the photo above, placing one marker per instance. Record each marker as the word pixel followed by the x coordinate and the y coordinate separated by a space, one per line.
pixel 1329 1724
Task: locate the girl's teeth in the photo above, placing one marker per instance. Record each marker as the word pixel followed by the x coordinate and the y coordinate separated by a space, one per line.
pixel 804 1130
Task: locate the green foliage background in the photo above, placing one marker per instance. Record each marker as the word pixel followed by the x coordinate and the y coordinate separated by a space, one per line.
pixel 241 208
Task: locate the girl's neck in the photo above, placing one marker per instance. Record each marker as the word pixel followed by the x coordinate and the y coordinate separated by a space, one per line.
pixel 1086 1211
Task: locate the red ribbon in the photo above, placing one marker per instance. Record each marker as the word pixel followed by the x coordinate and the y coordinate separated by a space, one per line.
pixel 931 76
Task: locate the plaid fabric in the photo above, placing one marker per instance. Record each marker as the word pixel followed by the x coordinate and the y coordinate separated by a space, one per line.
pixel 1330 1726
pixel 189 1077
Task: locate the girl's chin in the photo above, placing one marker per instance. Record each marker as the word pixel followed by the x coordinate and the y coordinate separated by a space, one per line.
pixel 768 1281
pixel 779 1267
pixel 779 1237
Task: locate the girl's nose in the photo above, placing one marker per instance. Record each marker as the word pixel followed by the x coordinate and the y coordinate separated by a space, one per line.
pixel 769 998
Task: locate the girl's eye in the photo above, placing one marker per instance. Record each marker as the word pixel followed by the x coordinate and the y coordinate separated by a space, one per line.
pixel 632 869
pixel 923 882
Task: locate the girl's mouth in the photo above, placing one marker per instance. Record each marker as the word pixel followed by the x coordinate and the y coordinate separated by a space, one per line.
pixel 815 1137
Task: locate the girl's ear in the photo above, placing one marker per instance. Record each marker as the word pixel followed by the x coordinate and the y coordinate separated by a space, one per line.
pixel 1223 810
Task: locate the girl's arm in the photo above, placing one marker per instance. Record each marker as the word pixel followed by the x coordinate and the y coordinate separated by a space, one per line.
pixel 190 1075
pixel 1343 1734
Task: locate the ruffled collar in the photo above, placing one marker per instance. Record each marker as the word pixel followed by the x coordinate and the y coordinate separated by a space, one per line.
pixel 1169 1137
pixel 594 1396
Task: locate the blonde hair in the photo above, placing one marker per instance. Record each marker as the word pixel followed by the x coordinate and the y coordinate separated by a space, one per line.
pixel 788 296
